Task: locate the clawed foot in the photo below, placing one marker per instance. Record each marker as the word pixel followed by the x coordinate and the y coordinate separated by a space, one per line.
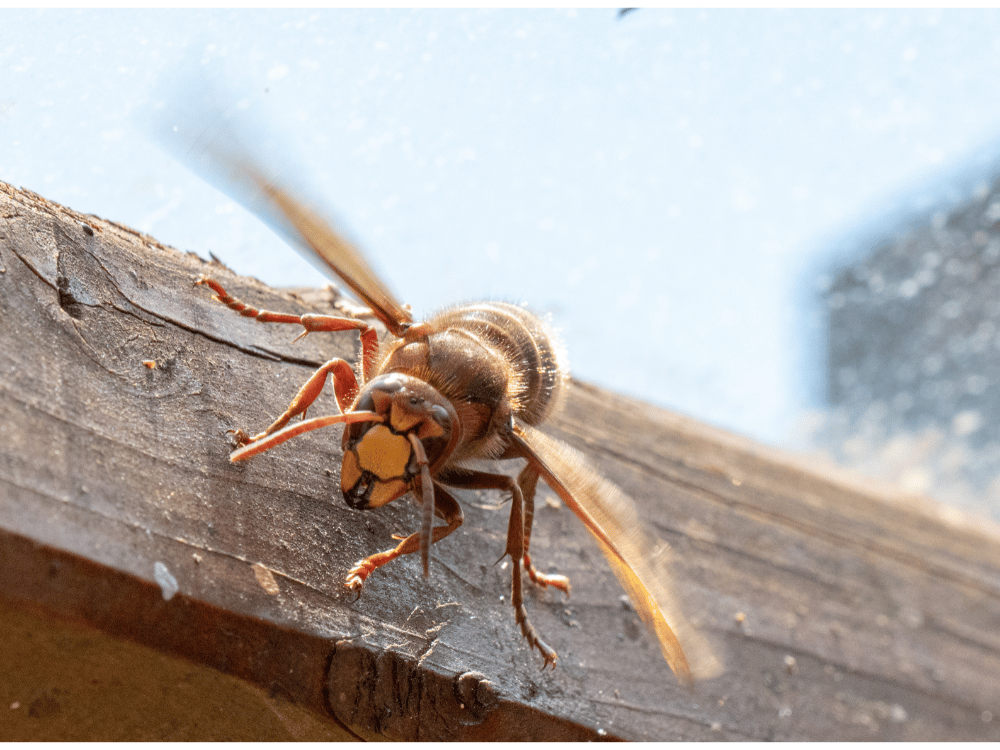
pixel 356 576
pixel 546 579
pixel 240 438
pixel 531 635
pixel 548 654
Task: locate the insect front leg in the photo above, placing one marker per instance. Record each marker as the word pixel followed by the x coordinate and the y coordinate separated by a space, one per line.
pixel 345 386
pixel 445 506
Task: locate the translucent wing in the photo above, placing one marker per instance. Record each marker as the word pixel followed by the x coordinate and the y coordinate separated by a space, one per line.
pixel 640 565
pixel 216 151
pixel 317 235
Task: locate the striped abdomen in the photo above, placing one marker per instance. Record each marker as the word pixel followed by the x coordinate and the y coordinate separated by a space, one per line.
pixel 534 373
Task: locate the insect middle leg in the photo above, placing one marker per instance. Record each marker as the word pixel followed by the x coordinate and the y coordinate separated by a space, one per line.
pixel 310 322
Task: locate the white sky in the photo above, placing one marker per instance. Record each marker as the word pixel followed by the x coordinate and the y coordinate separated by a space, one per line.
pixel 668 185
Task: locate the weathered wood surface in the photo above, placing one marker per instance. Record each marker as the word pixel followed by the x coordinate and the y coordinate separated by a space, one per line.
pixel 841 613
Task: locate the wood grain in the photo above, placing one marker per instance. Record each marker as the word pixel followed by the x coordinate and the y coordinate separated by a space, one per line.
pixel 842 611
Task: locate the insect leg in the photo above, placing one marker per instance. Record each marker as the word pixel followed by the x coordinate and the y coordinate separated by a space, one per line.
pixel 345 385
pixel 516 536
pixel 277 438
pixel 445 507
pixel 639 563
pixel 528 481
pixel 311 322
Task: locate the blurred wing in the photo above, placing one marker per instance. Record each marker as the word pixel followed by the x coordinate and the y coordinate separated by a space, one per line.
pixel 640 565
pixel 201 137
pixel 315 234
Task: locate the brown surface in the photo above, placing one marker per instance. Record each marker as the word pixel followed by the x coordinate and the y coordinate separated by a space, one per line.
pixel 69 682
pixel 841 613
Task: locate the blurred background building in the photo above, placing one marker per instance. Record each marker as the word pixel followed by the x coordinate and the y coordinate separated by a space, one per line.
pixel 913 347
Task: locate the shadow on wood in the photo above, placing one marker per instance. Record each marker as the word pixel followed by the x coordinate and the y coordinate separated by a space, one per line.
pixel 841 612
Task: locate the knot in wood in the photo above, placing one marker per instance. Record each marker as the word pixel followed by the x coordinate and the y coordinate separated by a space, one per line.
pixel 476 693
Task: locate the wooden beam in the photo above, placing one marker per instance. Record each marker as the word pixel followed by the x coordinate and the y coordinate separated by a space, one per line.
pixel 842 611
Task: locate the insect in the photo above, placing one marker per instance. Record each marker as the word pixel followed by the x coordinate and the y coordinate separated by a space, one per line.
pixel 471 383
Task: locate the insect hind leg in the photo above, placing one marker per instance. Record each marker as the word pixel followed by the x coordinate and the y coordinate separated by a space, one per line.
pixel 517 538
pixel 528 481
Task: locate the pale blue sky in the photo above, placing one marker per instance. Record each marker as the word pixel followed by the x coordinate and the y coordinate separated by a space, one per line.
pixel 667 184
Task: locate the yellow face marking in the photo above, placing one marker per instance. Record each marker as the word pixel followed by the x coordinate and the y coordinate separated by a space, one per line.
pixel 350 472
pixel 430 428
pixel 386 492
pixel 383 453
pixel 402 419
pixel 381 401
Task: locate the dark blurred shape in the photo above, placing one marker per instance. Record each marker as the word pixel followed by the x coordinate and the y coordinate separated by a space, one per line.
pixel 914 354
